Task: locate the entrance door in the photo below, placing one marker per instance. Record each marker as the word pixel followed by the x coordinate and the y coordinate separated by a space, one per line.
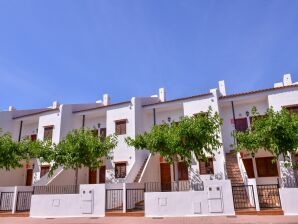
pixel 29 176
pixel 102 174
pixel 165 176
pixel 92 176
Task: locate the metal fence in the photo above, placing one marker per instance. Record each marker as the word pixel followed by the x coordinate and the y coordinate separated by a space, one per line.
pixel 135 199
pixel 243 196
pixel 6 201
pixel 58 189
pixel 24 200
pixel 114 199
pixel 269 196
pixel 173 186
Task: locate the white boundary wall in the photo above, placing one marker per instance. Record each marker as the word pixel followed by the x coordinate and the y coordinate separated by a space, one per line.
pixel 289 200
pixel 192 203
pixel 68 205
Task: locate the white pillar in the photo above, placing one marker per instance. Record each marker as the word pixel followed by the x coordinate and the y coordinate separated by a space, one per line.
pixel 14 200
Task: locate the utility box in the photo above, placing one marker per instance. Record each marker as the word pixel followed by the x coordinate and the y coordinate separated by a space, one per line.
pixel 87 200
pixel 215 203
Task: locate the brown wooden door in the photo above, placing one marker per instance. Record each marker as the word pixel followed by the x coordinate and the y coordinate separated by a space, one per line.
pixel 165 176
pixel 102 174
pixel 249 167
pixel 92 176
pixel 29 176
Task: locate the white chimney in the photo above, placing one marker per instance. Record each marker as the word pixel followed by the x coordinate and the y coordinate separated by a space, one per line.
pixel 278 84
pixel 287 80
pixel 162 94
pixel 222 88
pixel 11 108
pixel 106 99
pixel 55 104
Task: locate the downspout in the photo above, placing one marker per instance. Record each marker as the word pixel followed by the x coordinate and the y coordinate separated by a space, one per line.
pixel 20 132
pixel 234 119
pixel 154 117
pixel 83 121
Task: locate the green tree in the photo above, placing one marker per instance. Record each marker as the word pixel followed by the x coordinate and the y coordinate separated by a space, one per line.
pixel 13 153
pixel 197 135
pixel 10 153
pixel 276 132
pixel 81 148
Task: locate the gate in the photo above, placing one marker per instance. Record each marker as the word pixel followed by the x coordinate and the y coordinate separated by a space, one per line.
pixel 6 199
pixel 243 196
pixel 135 199
pixel 24 201
pixel 269 196
pixel 114 199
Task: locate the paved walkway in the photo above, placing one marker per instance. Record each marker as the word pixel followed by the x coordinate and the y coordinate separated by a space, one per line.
pixel 135 220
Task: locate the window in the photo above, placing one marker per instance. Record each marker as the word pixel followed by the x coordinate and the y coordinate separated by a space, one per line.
pixel 103 133
pixel 293 109
pixel 182 171
pixel 44 170
pixel 33 137
pixel 206 167
pixel 95 132
pixel 48 133
pixel 266 168
pixel 120 170
pixel 120 127
pixel 249 167
pixel 241 124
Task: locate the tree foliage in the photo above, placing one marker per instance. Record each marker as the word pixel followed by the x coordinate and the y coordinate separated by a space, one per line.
pixel 276 132
pixel 197 135
pixel 81 148
pixel 13 153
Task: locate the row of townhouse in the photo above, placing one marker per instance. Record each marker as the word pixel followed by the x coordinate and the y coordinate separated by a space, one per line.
pixel 138 115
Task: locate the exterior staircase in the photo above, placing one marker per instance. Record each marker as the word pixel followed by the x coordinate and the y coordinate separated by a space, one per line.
pixel 136 180
pixel 233 170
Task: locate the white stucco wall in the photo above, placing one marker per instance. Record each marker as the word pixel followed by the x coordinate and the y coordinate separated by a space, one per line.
pixel 68 205
pixel 289 199
pixel 283 98
pixel 192 203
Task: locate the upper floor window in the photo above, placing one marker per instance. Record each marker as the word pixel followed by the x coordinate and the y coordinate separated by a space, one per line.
pixel 241 124
pixel 293 109
pixel 120 170
pixel 103 133
pixel 206 167
pixel 33 137
pixel 48 133
pixel 120 127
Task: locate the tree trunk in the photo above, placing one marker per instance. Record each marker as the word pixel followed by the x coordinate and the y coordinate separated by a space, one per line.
pixel 176 180
pixel 76 178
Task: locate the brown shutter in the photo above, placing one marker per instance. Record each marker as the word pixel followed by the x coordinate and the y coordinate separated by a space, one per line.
pixel 182 171
pixel 48 133
pixel 249 167
pixel 241 124
pixel 44 170
pixel 206 167
pixel 266 168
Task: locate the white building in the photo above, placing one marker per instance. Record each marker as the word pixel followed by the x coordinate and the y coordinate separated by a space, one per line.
pixel 140 114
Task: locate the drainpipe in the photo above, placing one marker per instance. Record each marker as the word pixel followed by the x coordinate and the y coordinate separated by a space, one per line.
pixel 234 119
pixel 20 132
pixel 83 121
pixel 154 117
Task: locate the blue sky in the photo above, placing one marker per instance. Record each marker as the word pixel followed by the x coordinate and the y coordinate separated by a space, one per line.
pixel 74 51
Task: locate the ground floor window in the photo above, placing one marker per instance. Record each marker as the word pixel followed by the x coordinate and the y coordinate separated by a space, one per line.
pixel 206 167
pixel 265 167
pixel 182 171
pixel 44 170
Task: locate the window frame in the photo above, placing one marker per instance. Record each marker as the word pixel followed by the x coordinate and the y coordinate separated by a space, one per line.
pixel 119 173
pixel 51 127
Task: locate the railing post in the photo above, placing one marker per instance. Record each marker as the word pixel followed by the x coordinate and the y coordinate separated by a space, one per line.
pixel 14 200
pixel 256 196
